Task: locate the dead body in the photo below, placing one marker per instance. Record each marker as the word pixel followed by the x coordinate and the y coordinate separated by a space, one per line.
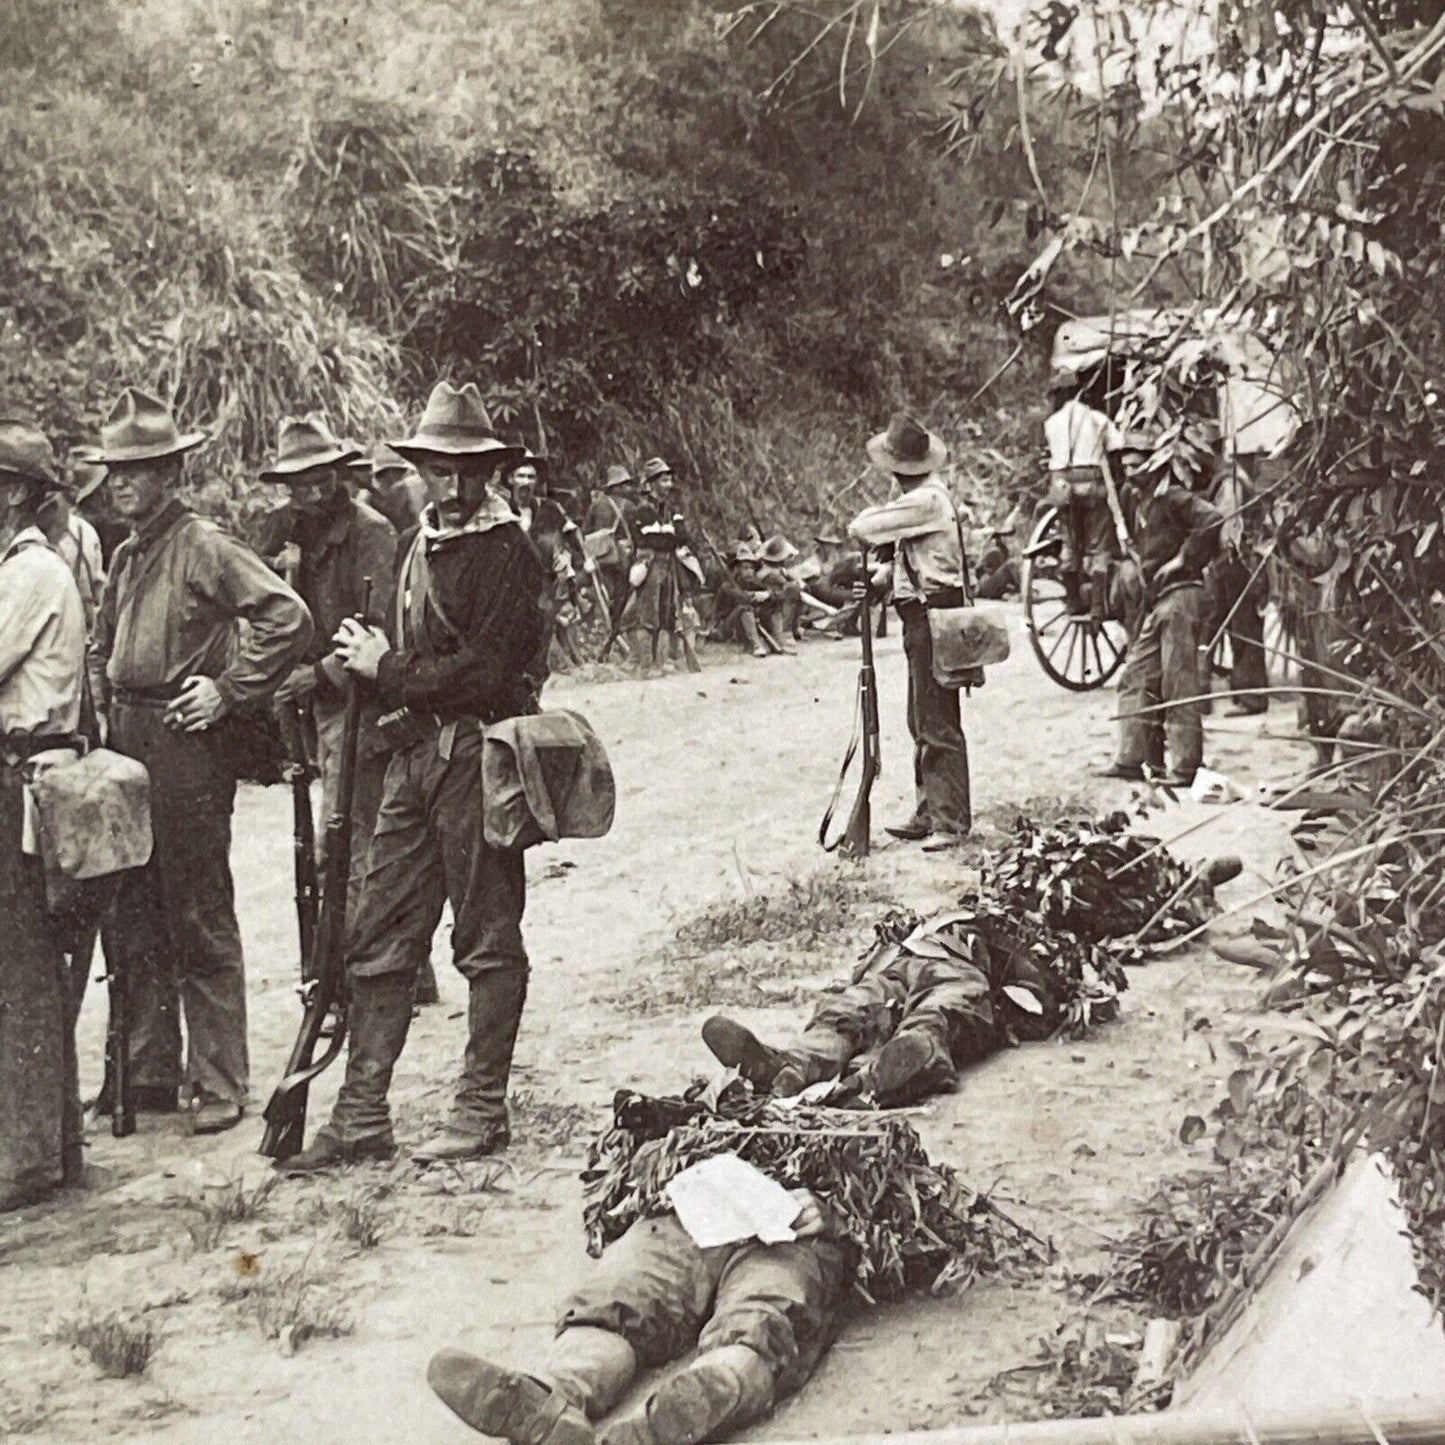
pixel 759 1315
pixel 908 1021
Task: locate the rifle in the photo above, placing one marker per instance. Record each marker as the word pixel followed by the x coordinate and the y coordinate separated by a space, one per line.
pixel 615 630
pixel 117 1088
pixel 324 987
pixel 855 838
pixel 299 773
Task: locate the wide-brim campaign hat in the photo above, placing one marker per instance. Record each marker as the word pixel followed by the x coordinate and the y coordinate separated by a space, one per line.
pixel 87 472
pixel 533 459
pixel 778 549
pixel 303 444
pixel 456 424
pixel 141 429
pixel 655 467
pixel 906 448
pixel 617 476
pixel 25 451
pixel 383 459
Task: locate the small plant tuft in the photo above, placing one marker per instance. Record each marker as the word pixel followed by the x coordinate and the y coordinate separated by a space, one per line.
pixel 119 1348
pixel 289 1307
pixel 232 1203
pixel 807 909
pixel 362 1218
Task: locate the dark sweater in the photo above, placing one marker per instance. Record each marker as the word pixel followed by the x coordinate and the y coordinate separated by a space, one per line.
pixel 1169 524
pixel 481 626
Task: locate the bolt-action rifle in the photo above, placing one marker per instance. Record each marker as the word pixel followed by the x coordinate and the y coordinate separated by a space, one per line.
pixel 324 972
pixel 855 838
pixel 299 772
pixel 118 1090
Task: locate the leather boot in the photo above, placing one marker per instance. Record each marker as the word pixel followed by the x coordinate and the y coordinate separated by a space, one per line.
pixel 721 1391
pixel 478 1125
pixel 378 1019
pixel 494 1400
pixel 912 1065
pixel 737 1047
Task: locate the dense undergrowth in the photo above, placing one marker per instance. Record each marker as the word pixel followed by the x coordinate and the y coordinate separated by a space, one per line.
pixel 587 207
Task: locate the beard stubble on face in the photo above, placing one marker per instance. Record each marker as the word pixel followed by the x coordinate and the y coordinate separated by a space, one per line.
pixel 139 490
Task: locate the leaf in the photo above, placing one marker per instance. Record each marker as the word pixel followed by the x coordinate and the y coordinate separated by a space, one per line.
pixel 1024 998
pixel 1296 1027
pixel 1192 1129
pixel 1229 1146
pixel 1241 1089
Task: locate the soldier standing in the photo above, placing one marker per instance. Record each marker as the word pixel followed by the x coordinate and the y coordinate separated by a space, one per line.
pixel 920 526
pixel 610 527
pixel 337 544
pixel 42 671
pixel 467 627
pixel 179 675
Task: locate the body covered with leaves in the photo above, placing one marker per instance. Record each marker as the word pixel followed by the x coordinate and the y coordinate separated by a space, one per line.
pixel 875 1217
pixel 1039 947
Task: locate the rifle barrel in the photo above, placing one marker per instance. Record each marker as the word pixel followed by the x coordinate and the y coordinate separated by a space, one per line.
pixel 285 1112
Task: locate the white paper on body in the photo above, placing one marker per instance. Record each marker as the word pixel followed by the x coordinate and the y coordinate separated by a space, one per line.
pixel 724 1199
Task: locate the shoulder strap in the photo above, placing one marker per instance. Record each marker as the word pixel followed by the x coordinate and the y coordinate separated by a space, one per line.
pixel 962 551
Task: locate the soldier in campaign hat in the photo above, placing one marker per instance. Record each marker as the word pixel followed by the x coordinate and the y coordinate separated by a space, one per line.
pixel 919 531
pixel 467 627
pixel 42 674
pixel 330 546
pixel 179 673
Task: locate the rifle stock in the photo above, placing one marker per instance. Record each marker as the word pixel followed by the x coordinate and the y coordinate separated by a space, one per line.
pixel 325 968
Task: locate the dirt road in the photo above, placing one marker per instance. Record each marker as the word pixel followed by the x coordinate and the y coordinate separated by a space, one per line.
pixel 721 779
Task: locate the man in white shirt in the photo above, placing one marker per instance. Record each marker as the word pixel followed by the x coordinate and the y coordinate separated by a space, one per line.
pixel 1080 438
pixel 42 664
pixel 1078 434
pixel 920 526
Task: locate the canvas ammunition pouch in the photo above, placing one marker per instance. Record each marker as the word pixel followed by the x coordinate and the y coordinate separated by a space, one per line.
pixel 604 548
pixel 545 776
pixel 966 638
pixel 93 818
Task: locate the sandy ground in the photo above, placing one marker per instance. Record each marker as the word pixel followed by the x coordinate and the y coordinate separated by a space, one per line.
pixel 721 779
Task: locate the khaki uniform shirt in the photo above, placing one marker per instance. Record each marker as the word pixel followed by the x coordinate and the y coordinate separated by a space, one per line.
pixel 42 640
pixel 924 526
pixel 176 591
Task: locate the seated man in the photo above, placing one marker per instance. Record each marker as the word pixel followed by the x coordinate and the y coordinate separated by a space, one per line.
pixel 780 614
pixel 738 597
pixel 760 1316
pixel 907 1022
pixel 997 573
